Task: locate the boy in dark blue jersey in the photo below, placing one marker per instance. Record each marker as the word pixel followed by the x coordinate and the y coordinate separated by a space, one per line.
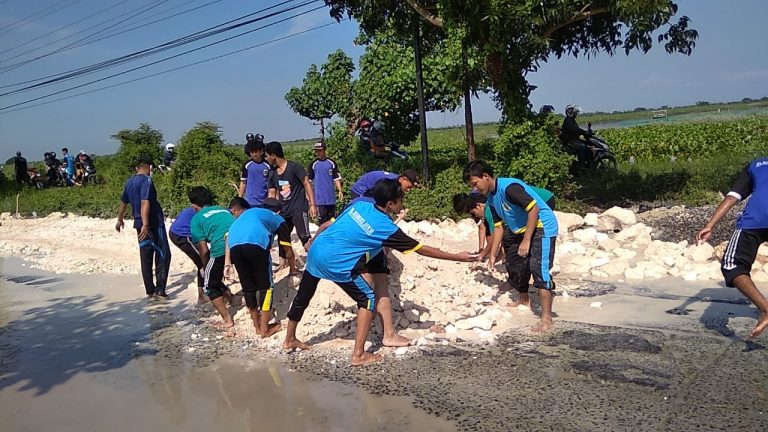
pixel 364 185
pixel 339 253
pixel 751 231
pixel 180 235
pixel 149 222
pixel 323 172
pixel 516 205
pixel 257 179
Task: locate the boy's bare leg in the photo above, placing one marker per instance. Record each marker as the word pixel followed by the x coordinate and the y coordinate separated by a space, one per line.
pixel 380 283
pixel 747 287
pixel 359 356
pixel 221 308
pixel 291 342
pixel 268 330
pixel 524 300
pixel 545 296
pixel 256 319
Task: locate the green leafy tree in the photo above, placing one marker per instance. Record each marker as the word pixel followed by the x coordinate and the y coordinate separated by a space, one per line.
pixel 513 37
pixel 204 160
pixel 325 92
pixel 143 141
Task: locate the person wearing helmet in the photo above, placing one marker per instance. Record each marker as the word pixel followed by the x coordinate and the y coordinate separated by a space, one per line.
pixel 257 178
pixel 169 157
pixel 571 135
pixel 371 139
pixel 251 139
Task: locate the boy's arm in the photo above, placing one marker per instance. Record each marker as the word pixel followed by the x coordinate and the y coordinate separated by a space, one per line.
pixel 742 188
pixel 498 234
pixel 533 220
pixel 144 232
pixel 202 249
pixel 481 237
pixel 432 252
pixel 120 215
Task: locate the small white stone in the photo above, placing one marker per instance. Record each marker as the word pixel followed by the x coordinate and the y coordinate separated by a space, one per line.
pixel 401 351
pixel 194 336
pixel 595 305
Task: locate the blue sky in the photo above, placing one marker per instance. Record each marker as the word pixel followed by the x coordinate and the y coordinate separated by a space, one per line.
pixel 244 92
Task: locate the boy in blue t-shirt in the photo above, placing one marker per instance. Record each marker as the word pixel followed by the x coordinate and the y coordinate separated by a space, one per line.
pixel 339 253
pixel 517 206
pixel 751 231
pixel 248 244
pixel 257 179
pixel 180 235
pixel 149 222
pixel 324 175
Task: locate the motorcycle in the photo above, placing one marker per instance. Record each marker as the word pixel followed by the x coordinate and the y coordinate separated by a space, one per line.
pixel 602 157
pixel 35 179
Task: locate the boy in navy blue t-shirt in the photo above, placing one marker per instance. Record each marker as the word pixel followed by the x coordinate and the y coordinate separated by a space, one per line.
pixel 324 175
pixel 149 222
pixel 257 179
pixel 751 231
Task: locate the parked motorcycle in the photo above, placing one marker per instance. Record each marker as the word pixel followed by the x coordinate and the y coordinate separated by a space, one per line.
pixel 35 179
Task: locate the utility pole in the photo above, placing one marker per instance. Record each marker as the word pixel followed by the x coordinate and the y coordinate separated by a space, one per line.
pixel 420 93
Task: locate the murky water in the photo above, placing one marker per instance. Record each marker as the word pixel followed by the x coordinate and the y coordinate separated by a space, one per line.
pixel 87 353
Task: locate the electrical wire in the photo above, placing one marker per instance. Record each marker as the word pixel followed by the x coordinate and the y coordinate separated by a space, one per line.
pixel 161 60
pixel 167 70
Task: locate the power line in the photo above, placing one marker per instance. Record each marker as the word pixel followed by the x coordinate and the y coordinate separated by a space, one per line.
pixel 66 26
pixel 168 70
pixel 211 31
pixel 24 21
pixel 70 46
pixel 162 60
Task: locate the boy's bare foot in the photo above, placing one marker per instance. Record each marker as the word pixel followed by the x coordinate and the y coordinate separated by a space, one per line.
pixel 395 341
pixel 272 329
pixel 544 326
pixel 295 344
pixel 365 359
pixel 762 323
pixel 202 300
pixel 224 325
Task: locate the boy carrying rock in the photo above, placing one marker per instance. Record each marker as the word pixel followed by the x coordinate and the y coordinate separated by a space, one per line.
pixel 532 223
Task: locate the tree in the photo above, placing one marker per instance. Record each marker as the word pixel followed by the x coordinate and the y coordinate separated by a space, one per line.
pixel 325 92
pixel 513 37
pixel 143 141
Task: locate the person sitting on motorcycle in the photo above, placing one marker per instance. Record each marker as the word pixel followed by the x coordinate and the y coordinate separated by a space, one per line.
pixel 79 173
pixel 571 135
pixel 372 139
pixel 169 157
pixel 52 167
pixel 88 166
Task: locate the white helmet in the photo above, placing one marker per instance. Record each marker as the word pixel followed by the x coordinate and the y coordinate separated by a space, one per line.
pixel 572 110
pixel 170 146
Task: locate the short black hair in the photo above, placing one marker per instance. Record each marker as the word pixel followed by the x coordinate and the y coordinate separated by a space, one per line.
pixel 200 196
pixel 411 174
pixel 275 148
pixel 144 160
pixel 477 168
pixel 239 203
pixel 65 150
pixel 463 203
pixel 387 190
pixel 272 204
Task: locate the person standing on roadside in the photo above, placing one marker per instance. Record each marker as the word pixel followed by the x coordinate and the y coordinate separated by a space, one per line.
pixel 69 164
pixel 751 232
pixel 20 167
pixel 149 222
pixel 257 178
pixel 324 174
pixel 297 197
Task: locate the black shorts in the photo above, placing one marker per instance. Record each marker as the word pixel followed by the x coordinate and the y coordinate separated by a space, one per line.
pixel 376 264
pixel 254 266
pixel 741 252
pixel 214 278
pixel 358 289
pixel 538 263
pixel 186 246
pixel 300 221
pixel 325 213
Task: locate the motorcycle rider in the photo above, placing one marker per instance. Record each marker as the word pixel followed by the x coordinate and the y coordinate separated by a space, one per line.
pixel 69 164
pixel 52 167
pixel 571 135
pixel 87 163
pixel 169 156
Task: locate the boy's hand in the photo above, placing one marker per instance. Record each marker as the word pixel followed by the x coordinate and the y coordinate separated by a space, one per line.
pixel 492 262
pixel 703 235
pixel 524 248
pixel 119 225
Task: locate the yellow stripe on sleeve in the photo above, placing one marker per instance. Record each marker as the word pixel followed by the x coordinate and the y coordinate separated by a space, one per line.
pixel 530 206
pixel 284 243
pixel 498 224
pixel 418 246
pixel 520 230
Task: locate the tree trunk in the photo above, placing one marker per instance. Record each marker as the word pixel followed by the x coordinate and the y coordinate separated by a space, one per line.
pixel 469 124
pixel 322 130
